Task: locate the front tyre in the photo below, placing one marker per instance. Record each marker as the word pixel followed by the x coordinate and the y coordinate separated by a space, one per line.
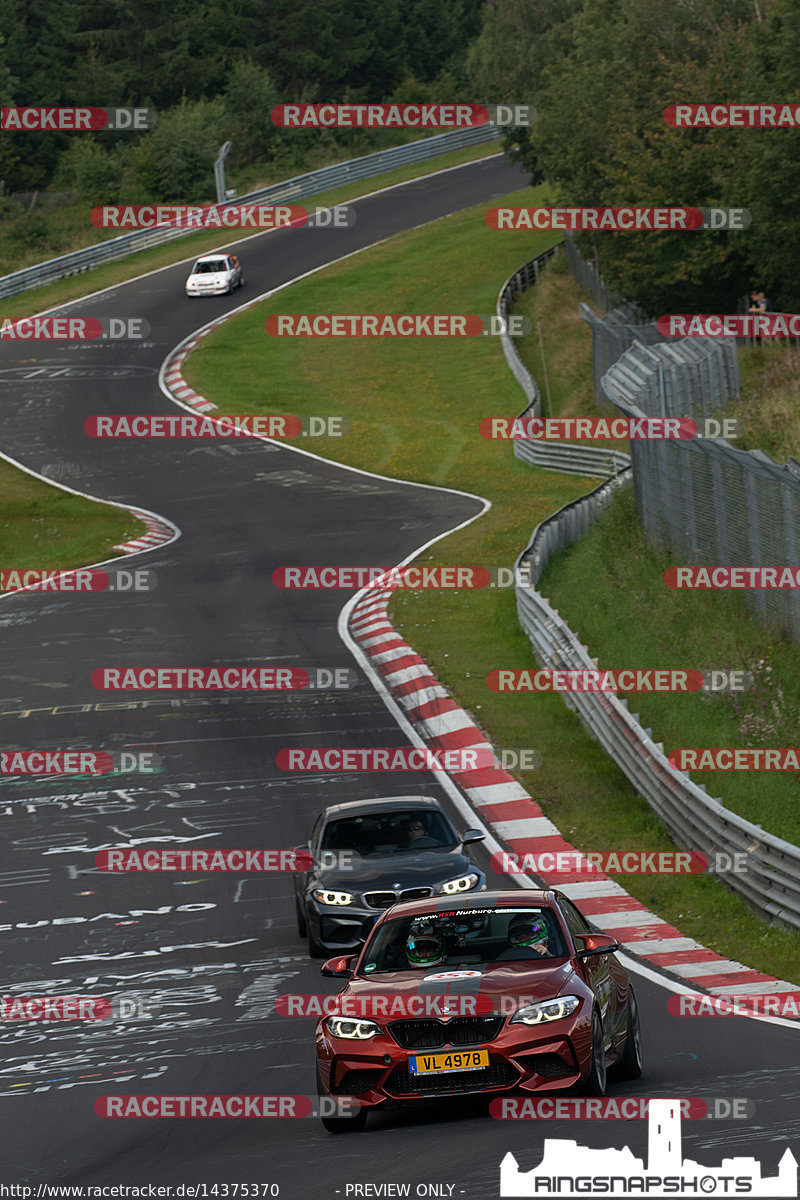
pixel 596 1082
pixel 343 1124
pixel 630 1065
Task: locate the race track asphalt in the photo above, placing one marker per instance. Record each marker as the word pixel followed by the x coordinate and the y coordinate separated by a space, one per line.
pixel 209 964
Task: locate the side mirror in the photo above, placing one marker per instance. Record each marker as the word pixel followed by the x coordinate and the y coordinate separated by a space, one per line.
pixel 339 968
pixel 472 835
pixel 596 943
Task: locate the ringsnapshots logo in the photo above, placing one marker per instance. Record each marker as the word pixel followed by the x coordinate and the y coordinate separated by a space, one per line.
pixel 402 325
pixel 400 116
pixel 619 220
pixel 182 425
pixel 73 329
pixel 80 579
pixel 74 120
pixel 570 1170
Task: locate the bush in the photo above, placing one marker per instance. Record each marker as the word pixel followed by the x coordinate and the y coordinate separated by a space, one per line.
pixel 174 162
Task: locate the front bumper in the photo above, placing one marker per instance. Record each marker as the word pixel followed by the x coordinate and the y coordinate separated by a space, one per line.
pixel 340 928
pixel 346 927
pixel 218 289
pixel 521 1059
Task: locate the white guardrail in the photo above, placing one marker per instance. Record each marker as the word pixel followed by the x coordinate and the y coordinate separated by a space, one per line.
pixel 697 821
pixel 591 461
pixel 296 188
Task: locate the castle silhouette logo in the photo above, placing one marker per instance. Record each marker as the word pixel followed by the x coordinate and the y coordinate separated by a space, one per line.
pixel 568 1169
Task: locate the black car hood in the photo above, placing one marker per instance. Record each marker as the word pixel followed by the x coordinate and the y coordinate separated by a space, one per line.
pixel 404 870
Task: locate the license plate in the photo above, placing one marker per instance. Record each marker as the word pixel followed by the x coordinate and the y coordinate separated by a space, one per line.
pixel 456 1060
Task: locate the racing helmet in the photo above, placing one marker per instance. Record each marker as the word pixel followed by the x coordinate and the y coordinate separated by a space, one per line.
pixel 527 929
pixel 424 948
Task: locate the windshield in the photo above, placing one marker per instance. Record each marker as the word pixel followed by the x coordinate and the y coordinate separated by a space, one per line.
pixel 390 833
pixel 210 268
pixel 465 938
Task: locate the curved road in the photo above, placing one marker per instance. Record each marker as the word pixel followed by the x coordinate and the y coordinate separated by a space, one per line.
pixel 207 955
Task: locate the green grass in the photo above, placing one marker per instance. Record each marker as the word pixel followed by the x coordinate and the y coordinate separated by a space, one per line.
pixel 414 408
pixel 43 527
pixel 75 286
pixel 769 408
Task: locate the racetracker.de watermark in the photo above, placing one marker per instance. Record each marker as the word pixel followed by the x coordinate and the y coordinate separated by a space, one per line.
pixel 80 579
pixel 742 325
pixel 756 1004
pixel 358 325
pixel 389 758
pixel 400 116
pixel 212 216
pixel 740 758
pixel 392 1006
pixel 287 426
pixel 619 220
pixel 74 120
pixel 155 859
pixel 558 429
pixel 607 1108
pixel 78 762
pixel 73 329
pixel 205 1106
pixel 625 680
pixel 725 577
pixel 413 577
pixel 732 116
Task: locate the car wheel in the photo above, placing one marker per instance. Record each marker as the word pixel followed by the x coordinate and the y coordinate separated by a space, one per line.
pixel 630 1065
pixel 596 1082
pixel 349 1124
pixel 241 281
pixel 302 927
pixel 231 288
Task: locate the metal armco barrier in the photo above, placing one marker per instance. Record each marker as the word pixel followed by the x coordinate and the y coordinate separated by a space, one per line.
pixel 294 189
pixel 709 501
pixel 696 820
pixel 591 461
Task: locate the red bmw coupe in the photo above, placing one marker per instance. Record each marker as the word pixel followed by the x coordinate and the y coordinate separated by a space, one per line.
pixel 491 993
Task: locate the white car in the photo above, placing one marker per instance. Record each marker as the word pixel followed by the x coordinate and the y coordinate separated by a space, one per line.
pixel 215 275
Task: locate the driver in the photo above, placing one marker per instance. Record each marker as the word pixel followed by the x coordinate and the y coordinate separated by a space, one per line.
pixel 424 948
pixel 529 930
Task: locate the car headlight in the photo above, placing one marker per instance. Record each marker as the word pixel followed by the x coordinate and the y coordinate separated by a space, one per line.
pixel 357 1031
pixel 464 883
pixel 326 897
pixel 547 1010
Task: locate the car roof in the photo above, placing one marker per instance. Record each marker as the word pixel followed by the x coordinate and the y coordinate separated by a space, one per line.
pixel 475 900
pixel 358 808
